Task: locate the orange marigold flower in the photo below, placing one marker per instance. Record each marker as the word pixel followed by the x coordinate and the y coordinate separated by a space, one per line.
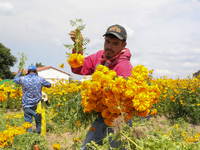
pixel 92 129
pixel 153 112
pixel 151 71
pixel 108 122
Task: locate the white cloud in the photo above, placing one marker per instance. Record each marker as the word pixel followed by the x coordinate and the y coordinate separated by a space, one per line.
pixel 191 65
pixel 6 6
pixel 195 50
pixel 164 72
pixel 130 31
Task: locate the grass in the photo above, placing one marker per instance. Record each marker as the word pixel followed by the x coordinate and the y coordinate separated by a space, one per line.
pixel 159 133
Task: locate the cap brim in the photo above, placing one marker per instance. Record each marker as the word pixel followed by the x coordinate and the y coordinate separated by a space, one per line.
pixel 114 33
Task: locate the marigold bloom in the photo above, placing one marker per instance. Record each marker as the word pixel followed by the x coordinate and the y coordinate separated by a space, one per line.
pixel 92 129
pixel 61 65
pixel 113 95
pixel 56 146
pixel 75 139
pixel 75 60
pixel 27 125
pixel 153 112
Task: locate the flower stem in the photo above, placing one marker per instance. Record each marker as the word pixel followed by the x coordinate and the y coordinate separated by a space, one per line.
pixel 130 140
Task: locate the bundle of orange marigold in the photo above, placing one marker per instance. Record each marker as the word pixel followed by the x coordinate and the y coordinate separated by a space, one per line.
pixel 113 96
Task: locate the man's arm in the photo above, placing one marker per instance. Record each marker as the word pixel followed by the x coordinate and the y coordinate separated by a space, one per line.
pixel 46 83
pixel 17 78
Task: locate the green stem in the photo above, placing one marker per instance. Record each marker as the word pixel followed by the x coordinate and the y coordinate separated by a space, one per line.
pixel 120 108
pixel 130 140
pixel 95 145
pixel 77 37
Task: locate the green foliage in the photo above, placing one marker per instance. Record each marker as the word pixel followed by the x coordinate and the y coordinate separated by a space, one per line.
pixel 196 74
pixel 28 140
pixel 22 61
pixel 7 60
pixel 69 109
pixel 81 42
pixel 180 98
pixel 39 64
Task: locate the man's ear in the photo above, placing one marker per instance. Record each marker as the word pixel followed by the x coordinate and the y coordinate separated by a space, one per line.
pixel 124 45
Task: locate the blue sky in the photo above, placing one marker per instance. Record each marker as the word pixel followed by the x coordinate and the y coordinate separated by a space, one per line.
pixel 163 35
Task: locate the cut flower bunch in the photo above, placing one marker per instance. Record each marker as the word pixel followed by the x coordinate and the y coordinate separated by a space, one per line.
pixel 76 59
pixel 114 96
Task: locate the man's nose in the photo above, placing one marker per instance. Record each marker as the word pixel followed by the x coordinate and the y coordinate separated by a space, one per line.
pixel 110 46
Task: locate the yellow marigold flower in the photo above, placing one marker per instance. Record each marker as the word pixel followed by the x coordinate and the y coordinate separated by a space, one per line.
pixel 61 65
pixel 102 68
pixel 56 146
pixel 196 137
pixel 75 139
pixel 175 126
pixel 141 102
pixel 75 60
pixel 27 125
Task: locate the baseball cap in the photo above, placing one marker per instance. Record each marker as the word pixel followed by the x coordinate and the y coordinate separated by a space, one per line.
pixel 32 67
pixel 118 31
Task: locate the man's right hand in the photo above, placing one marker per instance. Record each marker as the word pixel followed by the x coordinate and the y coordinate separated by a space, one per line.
pixel 73 36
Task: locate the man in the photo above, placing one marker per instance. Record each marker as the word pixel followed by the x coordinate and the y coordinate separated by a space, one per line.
pixel 32 86
pixel 116 57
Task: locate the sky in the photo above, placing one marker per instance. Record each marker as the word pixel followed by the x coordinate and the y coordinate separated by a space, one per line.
pixel 163 35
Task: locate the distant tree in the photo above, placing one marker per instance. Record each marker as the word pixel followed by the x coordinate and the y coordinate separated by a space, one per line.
pixel 7 60
pixel 196 74
pixel 38 64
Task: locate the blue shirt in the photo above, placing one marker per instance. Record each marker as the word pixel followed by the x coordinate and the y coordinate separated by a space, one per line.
pixel 32 88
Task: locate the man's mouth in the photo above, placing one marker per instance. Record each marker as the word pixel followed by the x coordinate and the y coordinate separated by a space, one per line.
pixel 109 51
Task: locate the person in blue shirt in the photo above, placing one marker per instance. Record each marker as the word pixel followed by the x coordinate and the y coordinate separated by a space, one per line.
pixel 32 93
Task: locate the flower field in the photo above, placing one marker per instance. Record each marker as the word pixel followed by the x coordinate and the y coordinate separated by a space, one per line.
pixel 74 106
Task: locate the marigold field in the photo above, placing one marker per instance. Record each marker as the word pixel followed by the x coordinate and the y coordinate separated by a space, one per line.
pixel 173 106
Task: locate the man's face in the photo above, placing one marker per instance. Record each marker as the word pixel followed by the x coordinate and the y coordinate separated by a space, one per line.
pixel 113 46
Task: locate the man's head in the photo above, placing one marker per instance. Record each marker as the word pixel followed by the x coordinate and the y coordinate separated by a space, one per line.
pixel 115 40
pixel 32 69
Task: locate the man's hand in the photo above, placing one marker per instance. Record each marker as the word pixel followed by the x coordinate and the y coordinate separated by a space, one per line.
pixel 19 70
pixel 73 35
pixel 74 38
